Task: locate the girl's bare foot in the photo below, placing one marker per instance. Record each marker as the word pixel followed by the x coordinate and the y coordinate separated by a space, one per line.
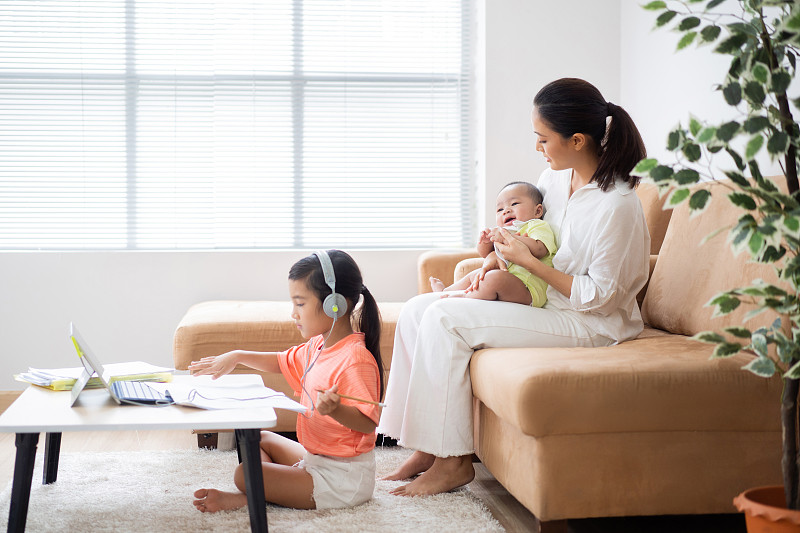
pixel 213 500
pixel 446 473
pixel 416 463
pixel 436 284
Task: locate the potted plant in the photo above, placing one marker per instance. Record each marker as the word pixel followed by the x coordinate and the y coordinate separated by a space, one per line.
pixel 762 37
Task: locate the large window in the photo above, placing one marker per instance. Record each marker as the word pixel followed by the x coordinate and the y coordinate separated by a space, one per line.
pixel 128 124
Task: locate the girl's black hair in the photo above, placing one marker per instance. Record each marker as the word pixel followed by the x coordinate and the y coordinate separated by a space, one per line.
pixel 350 284
pixel 572 105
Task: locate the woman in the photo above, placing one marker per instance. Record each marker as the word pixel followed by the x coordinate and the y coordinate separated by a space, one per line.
pixel 601 264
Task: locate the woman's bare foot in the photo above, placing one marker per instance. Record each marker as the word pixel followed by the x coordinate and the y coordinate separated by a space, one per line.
pixel 446 473
pixel 416 463
pixel 213 500
pixel 436 284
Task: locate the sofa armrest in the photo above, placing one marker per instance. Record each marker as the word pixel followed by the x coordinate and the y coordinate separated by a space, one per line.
pixel 465 266
pixel 440 264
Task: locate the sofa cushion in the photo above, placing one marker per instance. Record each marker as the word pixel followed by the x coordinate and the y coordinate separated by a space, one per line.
pixel 688 275
pixel 657 382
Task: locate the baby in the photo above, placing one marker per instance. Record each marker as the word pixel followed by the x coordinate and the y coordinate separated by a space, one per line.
pixel 520 210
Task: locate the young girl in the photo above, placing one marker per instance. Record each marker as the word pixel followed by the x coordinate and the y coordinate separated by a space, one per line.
pixel 333 465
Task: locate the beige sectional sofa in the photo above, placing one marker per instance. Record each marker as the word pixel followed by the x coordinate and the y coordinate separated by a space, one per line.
pixel 648 427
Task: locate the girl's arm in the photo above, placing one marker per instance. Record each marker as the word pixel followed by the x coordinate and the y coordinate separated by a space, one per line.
pixel 329 403
pixel 518 253
pixel 219 365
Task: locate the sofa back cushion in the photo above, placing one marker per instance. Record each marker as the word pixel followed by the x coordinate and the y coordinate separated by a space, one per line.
pixel 654 213
pixel 690 272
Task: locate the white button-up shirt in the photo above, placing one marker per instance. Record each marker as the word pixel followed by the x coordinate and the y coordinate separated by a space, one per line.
pixel 604 244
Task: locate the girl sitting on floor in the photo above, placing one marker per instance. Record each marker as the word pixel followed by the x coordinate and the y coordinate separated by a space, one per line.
pixel 333 464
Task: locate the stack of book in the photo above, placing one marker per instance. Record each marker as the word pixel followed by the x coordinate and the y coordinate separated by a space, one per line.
pixel 64 378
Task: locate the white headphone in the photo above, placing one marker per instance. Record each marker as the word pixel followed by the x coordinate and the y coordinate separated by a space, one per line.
pixel 334 305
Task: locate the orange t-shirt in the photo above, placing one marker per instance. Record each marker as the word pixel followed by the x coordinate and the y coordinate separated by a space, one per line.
pixel 347 363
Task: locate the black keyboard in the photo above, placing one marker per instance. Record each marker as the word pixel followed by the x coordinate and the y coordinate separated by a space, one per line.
pixel 136 391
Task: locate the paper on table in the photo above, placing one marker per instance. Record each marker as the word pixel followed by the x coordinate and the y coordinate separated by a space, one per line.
pixel 205 393
pixel 64 378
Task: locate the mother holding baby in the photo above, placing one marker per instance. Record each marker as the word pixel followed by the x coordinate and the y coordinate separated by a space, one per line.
pixel 601 264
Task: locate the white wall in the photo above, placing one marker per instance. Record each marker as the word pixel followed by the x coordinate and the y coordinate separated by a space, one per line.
pixel 661 87
pixel 530 43
pixel 127 304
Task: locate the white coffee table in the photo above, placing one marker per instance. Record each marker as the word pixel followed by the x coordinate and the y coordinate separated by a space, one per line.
pixel 39 410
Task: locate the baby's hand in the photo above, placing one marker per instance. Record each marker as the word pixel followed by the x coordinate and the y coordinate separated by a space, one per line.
pixel 328 401
pixel 485 237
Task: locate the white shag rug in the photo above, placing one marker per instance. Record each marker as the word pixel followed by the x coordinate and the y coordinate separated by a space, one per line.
pixel 152 491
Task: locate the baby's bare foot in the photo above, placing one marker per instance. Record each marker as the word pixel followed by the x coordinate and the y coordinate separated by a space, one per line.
pixel 436 284
pixel 213 500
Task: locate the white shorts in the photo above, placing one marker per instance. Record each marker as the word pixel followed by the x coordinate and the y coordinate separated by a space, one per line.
pixel 341 481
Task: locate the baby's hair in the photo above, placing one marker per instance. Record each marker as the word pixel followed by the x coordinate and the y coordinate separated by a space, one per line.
pixel 530 189
pixel 350 284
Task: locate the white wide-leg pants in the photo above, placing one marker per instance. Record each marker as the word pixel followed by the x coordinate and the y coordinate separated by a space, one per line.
pixel 429 395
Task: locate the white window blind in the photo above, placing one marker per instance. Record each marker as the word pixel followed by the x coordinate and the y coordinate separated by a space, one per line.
pixel 198 124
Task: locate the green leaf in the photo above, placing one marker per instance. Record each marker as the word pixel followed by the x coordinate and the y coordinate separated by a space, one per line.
pixel 692 152
pixel 760 72
pixel 737 159
pixel 794 372
pixel 711 337
pixel 686 40
pixel 791 224
pixel 655 5
pixel 781 81
pixel 727 130
pixel 726 349
pixel 706 134
pixel 677 196
pixel 723 304
pixel 674 139
pixel 759 344
pixel 686 176
pixel 732 93
pixel 688 23
pixel 745 201
pixel 755 124
pixel 645 166
pixel 754 92
pixel 732 44
pixel 714 3
pixel 761 366
pixel 695 126
pixel 664 18
pixel 755 244
pixel 699 200
pixel 737 178
pixel 738 331
pixel 710 33
pixel 661 172
pixel 772 254
pixel 753 146
pixel 778 143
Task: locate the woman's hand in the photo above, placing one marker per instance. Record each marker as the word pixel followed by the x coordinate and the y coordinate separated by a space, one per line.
pixel 215 366
pixel 513 249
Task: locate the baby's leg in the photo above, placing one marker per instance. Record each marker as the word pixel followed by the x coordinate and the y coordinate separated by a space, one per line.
pixel 460 285
pixel 503 286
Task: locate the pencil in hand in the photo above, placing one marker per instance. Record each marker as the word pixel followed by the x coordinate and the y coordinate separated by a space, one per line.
pixel 379 404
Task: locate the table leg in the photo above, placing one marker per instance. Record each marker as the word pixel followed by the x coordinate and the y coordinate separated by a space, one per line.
pixel 52 450
pixel 249 443
pixel 23 475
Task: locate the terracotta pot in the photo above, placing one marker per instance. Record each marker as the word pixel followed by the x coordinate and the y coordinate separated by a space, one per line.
pixel 765 511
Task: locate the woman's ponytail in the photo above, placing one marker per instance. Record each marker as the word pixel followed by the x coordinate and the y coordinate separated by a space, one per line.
pixel 620 151
pixel 572 105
